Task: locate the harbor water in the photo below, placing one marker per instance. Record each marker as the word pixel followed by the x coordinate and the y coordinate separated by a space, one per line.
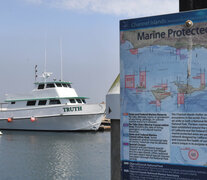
pixel 32 155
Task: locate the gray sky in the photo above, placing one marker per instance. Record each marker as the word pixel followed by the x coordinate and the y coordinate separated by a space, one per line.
pixel 90 41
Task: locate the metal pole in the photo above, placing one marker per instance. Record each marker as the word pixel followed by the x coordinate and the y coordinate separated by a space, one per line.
pixel 187 5
pixel 115 150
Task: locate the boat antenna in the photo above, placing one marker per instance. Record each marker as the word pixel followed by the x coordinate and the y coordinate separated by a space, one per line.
pixel 61 60
pixel 45 59
pixel 46 74
pixel 35 73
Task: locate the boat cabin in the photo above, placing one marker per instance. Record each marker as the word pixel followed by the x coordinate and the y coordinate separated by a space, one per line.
pixel 58 84
pixel 47 94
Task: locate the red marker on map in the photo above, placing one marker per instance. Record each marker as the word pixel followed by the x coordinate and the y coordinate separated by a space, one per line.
pixel 133 51
pixel 193 154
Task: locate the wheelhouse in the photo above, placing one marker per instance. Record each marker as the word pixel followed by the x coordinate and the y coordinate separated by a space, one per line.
pixel 47 94
pixel 55 84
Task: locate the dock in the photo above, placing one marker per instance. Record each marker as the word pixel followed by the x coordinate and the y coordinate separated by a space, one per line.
pixel 105 125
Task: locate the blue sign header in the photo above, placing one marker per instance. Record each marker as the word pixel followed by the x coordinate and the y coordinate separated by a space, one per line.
pixel 163 20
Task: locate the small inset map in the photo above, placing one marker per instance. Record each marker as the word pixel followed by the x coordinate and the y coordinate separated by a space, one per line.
pixel 189 155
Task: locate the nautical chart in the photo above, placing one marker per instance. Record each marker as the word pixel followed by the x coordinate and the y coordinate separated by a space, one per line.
pixel 164 79
pixel 164 94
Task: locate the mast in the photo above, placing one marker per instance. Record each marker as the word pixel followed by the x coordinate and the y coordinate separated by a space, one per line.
pixel 46 74
pixel 45 59
pixel 35 73
pixel 45 53
pixel 61 61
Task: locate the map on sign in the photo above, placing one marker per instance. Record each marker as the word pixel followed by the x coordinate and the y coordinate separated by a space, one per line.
pixel 167 76
pixel 164 93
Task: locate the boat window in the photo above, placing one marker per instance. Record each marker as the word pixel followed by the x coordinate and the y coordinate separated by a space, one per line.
pixel 31 103
pixel 79 100
pixel 51 85
pixel 69 85
pixel 84 101
pixel 72 100
pixel 58 84
pixel 54 101
pixel 13 102
pixel 64 85
pixel 42 102
pixel 41 86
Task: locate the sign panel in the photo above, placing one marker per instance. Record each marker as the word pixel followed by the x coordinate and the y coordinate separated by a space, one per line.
pixel 163 63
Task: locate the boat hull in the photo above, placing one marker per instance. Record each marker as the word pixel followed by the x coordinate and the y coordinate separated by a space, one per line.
pixel 60 118
pixel 55 123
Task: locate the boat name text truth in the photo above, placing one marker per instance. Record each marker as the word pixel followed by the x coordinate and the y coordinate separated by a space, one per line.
pixel 72 109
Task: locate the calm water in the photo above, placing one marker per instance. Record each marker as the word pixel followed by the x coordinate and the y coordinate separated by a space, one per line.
pixel 54 155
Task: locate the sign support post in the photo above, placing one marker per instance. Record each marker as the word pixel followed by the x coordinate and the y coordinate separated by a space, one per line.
pixel 187 5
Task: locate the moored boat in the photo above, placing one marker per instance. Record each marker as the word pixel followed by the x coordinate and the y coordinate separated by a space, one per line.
pixel 51 106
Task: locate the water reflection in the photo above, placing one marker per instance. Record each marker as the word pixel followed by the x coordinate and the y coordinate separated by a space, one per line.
pixel 54 156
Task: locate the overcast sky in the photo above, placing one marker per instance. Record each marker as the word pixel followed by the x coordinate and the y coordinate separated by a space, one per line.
pixel 90 41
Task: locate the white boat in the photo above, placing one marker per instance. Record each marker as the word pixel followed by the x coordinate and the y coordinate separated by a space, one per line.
pixel 51 106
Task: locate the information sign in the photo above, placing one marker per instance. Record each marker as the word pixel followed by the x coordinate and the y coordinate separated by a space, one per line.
pixel 163 63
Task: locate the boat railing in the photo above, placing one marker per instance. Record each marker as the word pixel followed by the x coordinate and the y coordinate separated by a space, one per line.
pixel 2 106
